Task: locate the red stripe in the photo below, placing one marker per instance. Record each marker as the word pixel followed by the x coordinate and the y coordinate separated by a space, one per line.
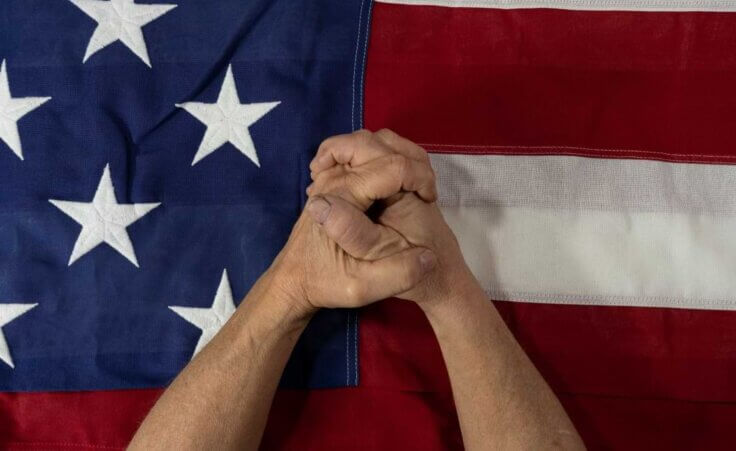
pixel 74 420
pixel 630 352
pixel 651 424
pixel 360 419
pixel 613 84
pixel 398 350
pixel 657 353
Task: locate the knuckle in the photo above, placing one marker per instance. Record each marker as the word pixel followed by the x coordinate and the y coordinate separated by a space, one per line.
pixel 355 291
pixel 386 135
pixel 397 159
pixel 378 138
pixel 363 135
pixel 413 275
pixel 363 139
pixel 400 164
pixel 424 154
pixel 326 144
pixel 320 185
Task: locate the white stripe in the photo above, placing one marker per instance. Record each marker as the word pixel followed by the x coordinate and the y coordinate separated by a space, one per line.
pixel 583 5
pixel 594 231
pixel 585 183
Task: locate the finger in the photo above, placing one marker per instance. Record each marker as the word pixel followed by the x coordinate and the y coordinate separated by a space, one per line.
pixel 333 181
pixel 354 148
pixel 402 145
pixel 352 230
pixel 362 146
pixel 391 174
pixel 378 179
pixel 389 276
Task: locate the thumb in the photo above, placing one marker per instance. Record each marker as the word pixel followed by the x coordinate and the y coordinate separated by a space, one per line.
pixel 389 276
pixel 352 230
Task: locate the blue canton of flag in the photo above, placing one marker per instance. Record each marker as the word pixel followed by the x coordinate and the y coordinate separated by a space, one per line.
pixel 153 158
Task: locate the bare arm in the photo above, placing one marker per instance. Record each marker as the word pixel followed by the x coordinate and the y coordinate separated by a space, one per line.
pixel 221 400
pixel 502 400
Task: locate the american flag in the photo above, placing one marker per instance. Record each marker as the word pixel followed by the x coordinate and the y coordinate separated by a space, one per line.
pixel 153 156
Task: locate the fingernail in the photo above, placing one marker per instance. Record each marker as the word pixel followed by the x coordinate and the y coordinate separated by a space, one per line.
pixel 428 260
pixel 319 208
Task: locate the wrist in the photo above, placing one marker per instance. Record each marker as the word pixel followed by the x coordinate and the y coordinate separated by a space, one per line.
pixel 275 303
pixel 461 290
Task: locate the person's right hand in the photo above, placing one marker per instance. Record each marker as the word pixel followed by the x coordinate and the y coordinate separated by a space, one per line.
pixel 501 400
pixel 360 167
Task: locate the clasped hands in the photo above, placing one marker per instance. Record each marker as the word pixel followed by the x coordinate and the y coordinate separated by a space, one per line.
pixel 370 230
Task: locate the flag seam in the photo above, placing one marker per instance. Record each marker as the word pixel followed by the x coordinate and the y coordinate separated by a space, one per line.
pixel 471 148
pixel 582 299
pixel 581 5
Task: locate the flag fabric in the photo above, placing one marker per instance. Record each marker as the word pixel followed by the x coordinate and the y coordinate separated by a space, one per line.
pixel 153 159
pixel 584 155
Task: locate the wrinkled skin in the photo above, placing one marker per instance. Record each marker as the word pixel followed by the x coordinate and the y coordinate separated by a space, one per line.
pixel 356 167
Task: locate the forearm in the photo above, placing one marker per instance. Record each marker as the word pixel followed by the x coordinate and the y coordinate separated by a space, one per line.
pixel 222 398
pixel 502 401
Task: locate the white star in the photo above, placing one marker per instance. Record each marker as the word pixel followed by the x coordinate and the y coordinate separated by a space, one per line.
pixel 104 220
pixel 11 110
pixel 228 120
pixel 210 320
pixel 120 20
pixel 9 312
